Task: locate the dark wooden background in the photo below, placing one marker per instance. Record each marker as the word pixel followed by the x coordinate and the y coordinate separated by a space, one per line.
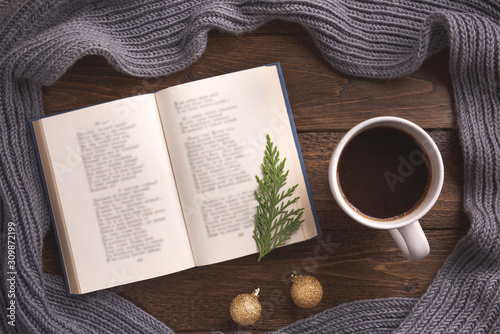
pixel 352 262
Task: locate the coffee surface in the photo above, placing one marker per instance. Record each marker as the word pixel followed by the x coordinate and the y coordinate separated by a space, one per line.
pixel 383 173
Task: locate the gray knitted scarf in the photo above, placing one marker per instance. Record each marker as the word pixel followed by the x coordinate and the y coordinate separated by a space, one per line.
pixel 376 39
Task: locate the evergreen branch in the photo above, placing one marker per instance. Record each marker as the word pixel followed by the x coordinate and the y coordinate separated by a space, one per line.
pixel 274 222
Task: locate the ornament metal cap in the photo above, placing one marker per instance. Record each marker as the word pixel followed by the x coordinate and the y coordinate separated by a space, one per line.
pixel 293 275
pixel 255 292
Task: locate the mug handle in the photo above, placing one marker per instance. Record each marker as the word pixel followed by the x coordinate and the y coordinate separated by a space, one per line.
pixel 412 241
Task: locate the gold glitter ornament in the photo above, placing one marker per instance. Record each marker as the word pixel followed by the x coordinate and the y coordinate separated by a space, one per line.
pixel 306 291
pixel 245 309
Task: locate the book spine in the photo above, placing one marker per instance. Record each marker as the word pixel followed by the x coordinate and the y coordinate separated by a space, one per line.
pixel 297 144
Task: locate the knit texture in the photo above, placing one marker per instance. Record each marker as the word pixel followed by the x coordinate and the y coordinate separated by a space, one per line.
pixel 376 39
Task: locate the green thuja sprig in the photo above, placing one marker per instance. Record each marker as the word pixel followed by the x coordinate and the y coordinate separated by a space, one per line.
pixel 274 221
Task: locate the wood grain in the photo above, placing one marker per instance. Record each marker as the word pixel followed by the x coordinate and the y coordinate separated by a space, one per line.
pixel 322 99
pixel 352 261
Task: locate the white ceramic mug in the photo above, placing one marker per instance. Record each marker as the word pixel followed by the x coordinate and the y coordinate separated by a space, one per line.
pixel 406 230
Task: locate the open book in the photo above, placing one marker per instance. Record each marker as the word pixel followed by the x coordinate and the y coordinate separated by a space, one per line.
pixel 157 183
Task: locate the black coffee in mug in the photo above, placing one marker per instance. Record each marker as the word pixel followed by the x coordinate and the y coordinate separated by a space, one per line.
pixel 383 173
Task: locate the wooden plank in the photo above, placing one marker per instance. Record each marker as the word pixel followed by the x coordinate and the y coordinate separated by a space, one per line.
pixel 322 98
pixel 317 149
pixel 351 266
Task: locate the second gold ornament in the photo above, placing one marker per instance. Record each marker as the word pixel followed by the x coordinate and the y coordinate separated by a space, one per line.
pixel 306 291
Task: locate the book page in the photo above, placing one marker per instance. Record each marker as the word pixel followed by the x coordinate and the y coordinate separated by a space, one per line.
pixel 116 192
pixel 216 133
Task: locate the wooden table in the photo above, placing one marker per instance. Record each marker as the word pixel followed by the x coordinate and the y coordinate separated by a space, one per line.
pixel 351 261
